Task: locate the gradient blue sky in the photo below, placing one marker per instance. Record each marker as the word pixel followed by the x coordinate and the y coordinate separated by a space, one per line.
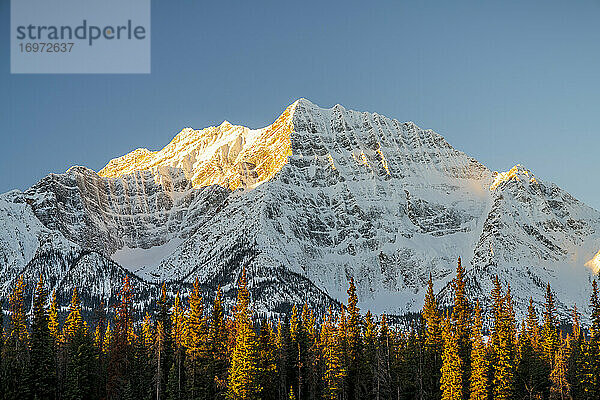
pixel 507 82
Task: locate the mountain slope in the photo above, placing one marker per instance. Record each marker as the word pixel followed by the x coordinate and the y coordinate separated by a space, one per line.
pixel 319 196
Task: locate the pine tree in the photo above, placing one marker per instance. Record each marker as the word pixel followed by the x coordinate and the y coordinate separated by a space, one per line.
pixel 433 343
pixel 452 368
pixel 479 359
pixel 243 377
pixel 41 365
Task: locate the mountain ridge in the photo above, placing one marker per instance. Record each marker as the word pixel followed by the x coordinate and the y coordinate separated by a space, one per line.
pixel 319 196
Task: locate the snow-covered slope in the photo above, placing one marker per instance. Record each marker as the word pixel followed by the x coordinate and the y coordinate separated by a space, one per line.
pixel 319 196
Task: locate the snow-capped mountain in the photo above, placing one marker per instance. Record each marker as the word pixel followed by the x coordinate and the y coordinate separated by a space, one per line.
pixel 319 196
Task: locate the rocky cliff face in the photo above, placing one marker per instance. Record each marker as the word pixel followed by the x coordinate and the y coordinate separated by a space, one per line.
pixel 318 197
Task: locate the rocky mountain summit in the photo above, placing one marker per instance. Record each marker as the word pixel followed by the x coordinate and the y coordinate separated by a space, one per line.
pixel 319 196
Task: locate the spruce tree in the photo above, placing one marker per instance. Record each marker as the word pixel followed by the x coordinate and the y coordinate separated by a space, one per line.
pixel 560 389
pixel 163 352
pixel 503 344
pixel 196 346
pixel 368 362
pixel 243 381
pixel 461 323
pixel 550 337
pixel 479 379
pixel 452 368
pixel 334 374
pixel 267 349
pixel 354 341
pixel 122 352
pixel 79 370
pixel 532 372
pixel 178 324
pixel 218 352
pixel 577 359
pixel 16 356
pixel 42 369
pixel 433 343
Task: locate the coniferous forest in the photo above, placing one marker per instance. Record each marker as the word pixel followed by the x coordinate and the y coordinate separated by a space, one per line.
pixel 191 350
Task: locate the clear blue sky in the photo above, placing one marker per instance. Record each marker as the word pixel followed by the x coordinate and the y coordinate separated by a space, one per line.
pixel 506 81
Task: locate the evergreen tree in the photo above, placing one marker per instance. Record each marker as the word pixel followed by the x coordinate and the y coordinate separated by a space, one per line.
pixel 53 319
pixel 532 373
pixel 217 346
pixel 163 344
pixel 243 382
pixel 452 368
pixel 577 359
pixel 461 323
pixel 503 343
pixel 121 356
pixel 479 360
pixel 550 337
pixel 433 343
pixel 560 389
pixel 592 379
pixel 15 356
pixel 41 365
pixel 368 363
pixel 196 343
pixel 335 373
pixel 354 342
pixel 267 362
pixel 178 323
pixel 79 379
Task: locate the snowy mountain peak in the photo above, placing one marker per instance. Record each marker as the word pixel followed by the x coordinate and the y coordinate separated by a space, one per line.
pixel 227 155
pixel 336 194
pixel 517 173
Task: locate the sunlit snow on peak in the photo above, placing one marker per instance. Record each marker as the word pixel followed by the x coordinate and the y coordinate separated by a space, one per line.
pixel 518 173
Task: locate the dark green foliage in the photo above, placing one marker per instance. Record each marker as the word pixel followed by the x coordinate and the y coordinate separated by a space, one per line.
pixel 187 352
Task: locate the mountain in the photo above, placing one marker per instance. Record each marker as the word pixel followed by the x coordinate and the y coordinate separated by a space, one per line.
pixel 319 196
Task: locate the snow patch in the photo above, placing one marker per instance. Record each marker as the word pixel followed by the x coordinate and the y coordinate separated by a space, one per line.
pixel 134 259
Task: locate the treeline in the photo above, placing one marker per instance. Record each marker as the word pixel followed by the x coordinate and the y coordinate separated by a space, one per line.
pixel 192 351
